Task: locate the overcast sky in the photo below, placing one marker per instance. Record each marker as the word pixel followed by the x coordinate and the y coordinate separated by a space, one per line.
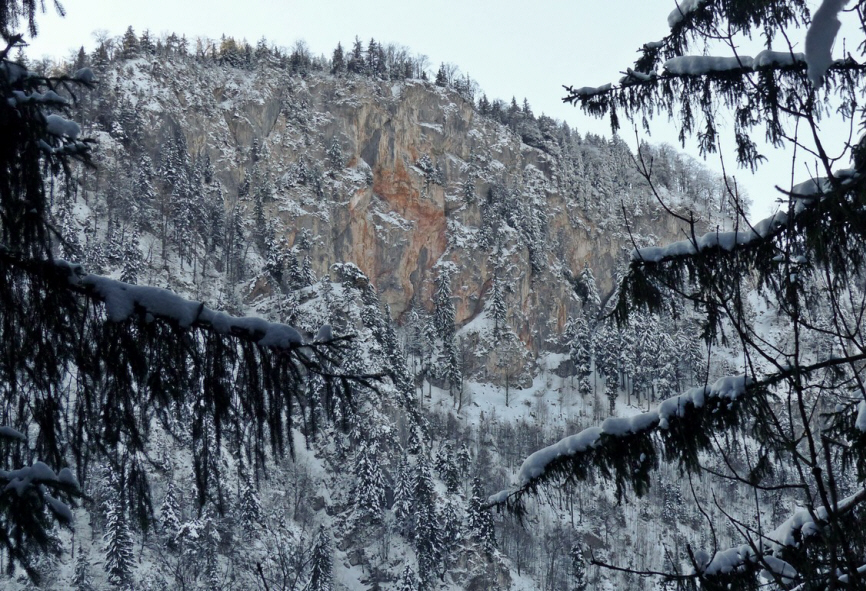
pixel 511 48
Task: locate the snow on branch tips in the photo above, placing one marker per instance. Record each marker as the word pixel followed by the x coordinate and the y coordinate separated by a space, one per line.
pixel 123 299
pixel 622 446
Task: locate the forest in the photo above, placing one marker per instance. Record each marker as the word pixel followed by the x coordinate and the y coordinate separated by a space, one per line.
pixel 565 364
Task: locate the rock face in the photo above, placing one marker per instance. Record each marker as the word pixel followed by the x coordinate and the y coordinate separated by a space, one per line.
pixel 403 179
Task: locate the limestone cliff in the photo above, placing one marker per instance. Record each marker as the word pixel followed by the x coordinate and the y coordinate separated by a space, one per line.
pixel 398 178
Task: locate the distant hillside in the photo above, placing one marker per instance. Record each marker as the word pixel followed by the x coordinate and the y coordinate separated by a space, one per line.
pixel 469 245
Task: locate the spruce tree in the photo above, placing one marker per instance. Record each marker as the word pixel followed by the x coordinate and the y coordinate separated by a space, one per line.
pixel 441 76
pixel 408 580
pixel 782 385
pixel 320 577
pixel 479 523
pixel 404 496
pixel 338 61
pixel 81 579
pixel 447 468
pixel 578 569
pixel 169 513
pixel 250 508
pixel 427 532
pixel 119 561
pixel 497 307
pixel 369 484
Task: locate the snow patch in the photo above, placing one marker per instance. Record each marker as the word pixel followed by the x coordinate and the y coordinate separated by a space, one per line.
pixel 820 37
pixel 697 65
pixel 683 8
pixel 860 423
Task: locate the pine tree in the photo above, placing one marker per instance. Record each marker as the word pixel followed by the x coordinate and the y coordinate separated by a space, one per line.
pixel 131 260
pixel 369 484
pixel 441 76
pixel 447 468
pixel 169 513
pixel 578 569
pixel 129 45
pixel 589 290
pixel 119 561
pixel 404 496
pixel 81 579
pixel 773 404
pixel 479 523
pixel 464 460
pixel 497 308
pixel 427 536
pixel 250 508
pixel 338 62
pixel 320 577
pixel 356 64
pixel 408 580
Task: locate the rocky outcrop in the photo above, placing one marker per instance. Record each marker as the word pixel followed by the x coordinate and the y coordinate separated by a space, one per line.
pixel 396 178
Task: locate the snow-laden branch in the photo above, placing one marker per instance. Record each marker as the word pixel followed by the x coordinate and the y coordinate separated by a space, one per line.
pixel 692 66
pixel 791 534
pixel 589 440
pixel 623 447
pixel 123 299
pixel 806 194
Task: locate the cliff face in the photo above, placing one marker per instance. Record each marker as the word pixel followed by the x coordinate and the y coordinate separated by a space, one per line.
pixel 401 178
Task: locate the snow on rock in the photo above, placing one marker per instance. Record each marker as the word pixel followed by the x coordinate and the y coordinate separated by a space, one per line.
pixel 683 8
pixel 697 65
pixel 820 37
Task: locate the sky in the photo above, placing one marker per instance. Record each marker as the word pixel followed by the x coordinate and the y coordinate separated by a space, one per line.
pixel 510 47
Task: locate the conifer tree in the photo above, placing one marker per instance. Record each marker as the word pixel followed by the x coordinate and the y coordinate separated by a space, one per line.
pixel 784 384
pixel 447 467
pixel 356 65
pixel 250 507
pixel 118 541
pixel 578 569
pixel 320 577
pixel 479 523
pixel 497 307
pixel 129 45
pixel 81 579
pixel 427 532
pixel 369 484
pixel 408 580
pixel 441 76
pixel 338 61
pixel 169 513
pixel 131 260
pixel 404 496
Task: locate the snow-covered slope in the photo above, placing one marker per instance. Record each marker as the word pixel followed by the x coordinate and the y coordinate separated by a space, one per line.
pixel 359 203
